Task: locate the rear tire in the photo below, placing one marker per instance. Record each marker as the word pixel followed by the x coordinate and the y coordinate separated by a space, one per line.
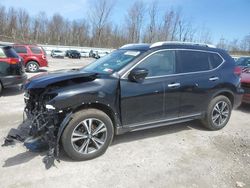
pixel 32 66
pixel 87 135
pixel 218 113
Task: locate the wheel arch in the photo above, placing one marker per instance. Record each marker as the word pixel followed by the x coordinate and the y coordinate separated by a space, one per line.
pixel 35 60
pixel 114 116
pixel 227 93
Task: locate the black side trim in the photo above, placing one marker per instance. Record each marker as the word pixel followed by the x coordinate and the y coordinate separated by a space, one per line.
pixel 148 125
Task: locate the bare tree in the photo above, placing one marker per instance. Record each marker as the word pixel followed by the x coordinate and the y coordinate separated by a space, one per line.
pixel 12 23
pixel 23 21
pixel 151 30
pixel 185 30
pixel 99 18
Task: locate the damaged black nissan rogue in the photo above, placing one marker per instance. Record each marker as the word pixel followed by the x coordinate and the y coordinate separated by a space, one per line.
pixel 138 86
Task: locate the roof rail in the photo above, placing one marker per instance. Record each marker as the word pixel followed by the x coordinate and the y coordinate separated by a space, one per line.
pixel 132 44
pixel 181 43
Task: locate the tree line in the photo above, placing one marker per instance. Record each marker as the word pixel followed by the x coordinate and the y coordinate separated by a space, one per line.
pixel 141 23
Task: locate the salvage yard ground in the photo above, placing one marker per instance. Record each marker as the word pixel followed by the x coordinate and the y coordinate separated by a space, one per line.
pixel 182 155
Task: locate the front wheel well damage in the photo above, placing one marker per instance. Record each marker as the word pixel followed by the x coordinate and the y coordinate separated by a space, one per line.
pixel 102 107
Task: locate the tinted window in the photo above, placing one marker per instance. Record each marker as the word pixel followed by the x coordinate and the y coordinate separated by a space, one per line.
pixel 160 63
pixel 215 60
pixel 195 61
pixel 10 52
pixel 35 50
pixel 20 49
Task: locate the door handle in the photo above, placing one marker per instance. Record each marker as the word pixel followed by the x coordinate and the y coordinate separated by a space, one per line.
pixel 174 85
pixel 214 78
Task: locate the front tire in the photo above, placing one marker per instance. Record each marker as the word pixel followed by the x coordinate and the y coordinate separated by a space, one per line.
pixel 218 113
pixel 87 135
pixel 32 66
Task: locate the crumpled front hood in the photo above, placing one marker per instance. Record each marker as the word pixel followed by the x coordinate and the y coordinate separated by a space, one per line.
pixel 45 79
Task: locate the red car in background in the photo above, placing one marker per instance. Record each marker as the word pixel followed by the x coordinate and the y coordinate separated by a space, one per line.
pixel 245 83
pixel 33 56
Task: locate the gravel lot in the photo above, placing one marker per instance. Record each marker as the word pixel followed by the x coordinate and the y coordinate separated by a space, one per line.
pixel 182 155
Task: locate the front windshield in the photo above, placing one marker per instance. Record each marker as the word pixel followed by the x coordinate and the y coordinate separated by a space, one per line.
pixel 112 62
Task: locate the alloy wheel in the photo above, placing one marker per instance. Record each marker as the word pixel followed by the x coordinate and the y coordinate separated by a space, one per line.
pixel 89 136
pixel 220 113
pixel 32 67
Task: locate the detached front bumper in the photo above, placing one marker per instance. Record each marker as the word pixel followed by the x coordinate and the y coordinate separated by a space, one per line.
pixel 40 135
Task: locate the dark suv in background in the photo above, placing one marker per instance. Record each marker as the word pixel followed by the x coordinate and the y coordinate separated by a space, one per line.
pixel 34 56
pixel 73 54
pixel 138 86
pixel 11 68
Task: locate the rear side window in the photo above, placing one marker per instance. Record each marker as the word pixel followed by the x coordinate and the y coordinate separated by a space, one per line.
pixel 2 54
pixel 20 49
pixel 196 61
pixel 35 50
pixel 9 52
pixel 160 63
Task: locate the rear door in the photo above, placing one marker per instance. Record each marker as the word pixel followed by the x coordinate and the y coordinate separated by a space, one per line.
pixel 200 76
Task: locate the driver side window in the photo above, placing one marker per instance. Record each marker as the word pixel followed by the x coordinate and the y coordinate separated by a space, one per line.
pixel 159 64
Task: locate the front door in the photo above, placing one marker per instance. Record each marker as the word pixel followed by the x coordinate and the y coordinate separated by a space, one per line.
pixel 157 97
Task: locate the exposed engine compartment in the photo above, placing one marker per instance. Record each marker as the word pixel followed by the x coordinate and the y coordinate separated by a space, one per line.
pixel 41 125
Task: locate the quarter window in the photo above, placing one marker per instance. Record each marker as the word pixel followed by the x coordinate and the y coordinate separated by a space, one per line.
pixel 35 50
pixel 159 64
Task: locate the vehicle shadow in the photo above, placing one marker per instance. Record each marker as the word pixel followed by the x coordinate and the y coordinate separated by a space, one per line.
pixel 11 91
pixel 42 70
pixel 159 131
pixel 22 158
pixel 125 138
pixel 244 108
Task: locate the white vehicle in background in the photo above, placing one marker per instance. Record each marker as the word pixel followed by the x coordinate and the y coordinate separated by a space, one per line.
pixel 100 54
pixel 84 53
pixel 57 53
pixel 235 58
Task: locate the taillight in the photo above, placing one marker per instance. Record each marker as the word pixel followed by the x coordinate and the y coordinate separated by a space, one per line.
pixel 43 56
pixel 13 61
pixel 237 71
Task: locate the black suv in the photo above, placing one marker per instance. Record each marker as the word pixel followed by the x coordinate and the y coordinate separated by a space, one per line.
pixel 138 86
pixel 73 54
pixel 11 68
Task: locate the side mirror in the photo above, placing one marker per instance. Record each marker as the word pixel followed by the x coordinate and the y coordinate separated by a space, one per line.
pixel 138 74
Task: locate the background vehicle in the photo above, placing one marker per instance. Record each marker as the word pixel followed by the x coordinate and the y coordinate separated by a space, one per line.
pixel 34 56
pixel 73 54
pixel 98 55
pixel 57 53
pixel 245 82
pixel 84 54
pixel 136 87
pixel 11 68
pixel 243 62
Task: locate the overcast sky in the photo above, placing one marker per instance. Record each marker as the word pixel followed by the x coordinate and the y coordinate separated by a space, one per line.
pixel 227 18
